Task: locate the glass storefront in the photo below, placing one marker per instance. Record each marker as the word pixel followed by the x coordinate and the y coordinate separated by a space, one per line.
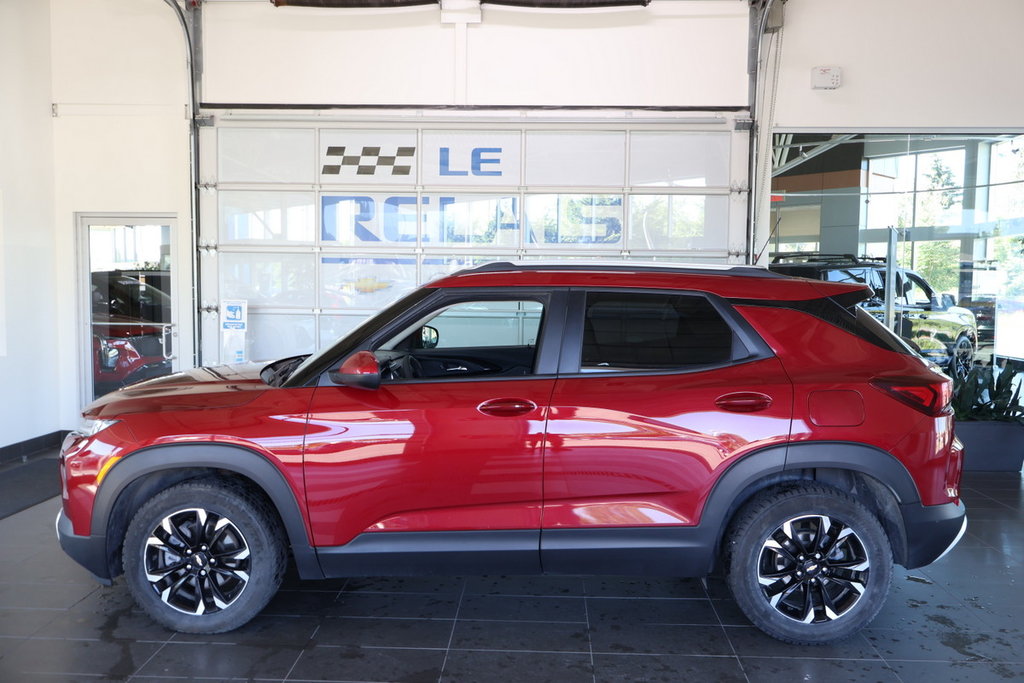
pixel 953 203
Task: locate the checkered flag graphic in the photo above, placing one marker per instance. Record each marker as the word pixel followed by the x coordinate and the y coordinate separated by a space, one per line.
pixel 369 160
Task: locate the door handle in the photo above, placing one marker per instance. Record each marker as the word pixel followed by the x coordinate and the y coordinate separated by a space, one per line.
pixel 743 402
pixel 506 407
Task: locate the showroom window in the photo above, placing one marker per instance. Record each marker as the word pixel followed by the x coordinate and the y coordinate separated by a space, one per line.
pixel 955 204
pixel 310 228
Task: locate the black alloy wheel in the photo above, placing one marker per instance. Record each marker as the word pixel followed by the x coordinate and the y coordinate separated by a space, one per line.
pixel 197 561
pixel 813 569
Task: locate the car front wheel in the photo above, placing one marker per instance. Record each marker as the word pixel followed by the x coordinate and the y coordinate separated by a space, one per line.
pixel 962 358
pixel 808 564
pixel 204 556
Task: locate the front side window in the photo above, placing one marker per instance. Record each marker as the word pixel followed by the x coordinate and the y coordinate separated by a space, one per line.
pixel 917 295
pixel 488 323
pixel 628 331
pixel 477 338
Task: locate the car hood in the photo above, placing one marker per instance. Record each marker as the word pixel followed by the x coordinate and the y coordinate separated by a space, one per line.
pixel 197 389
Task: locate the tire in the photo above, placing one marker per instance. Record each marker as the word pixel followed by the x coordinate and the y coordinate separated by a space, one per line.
pixel 808 564
pixel 204 556
pixel 961 358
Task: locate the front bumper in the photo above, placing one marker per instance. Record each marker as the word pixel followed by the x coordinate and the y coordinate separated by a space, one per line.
pixel 932 531
pixel 88 551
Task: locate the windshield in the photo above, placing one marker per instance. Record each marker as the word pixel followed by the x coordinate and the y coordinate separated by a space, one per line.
pixel 311 368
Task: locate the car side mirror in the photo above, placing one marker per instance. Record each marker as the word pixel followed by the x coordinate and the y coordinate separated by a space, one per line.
pixel 361 370
pixel 948 300
pixel 429 337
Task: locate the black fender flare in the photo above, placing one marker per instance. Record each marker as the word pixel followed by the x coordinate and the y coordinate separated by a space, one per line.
pixel 785 462
pixel 232 458
pixel 858 457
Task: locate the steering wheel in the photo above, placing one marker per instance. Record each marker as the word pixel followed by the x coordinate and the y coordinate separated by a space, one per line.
pixel 410 367
pixel 405 367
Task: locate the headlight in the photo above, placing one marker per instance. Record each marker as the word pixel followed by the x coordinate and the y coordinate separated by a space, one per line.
pixel 88 428
pixel 92 427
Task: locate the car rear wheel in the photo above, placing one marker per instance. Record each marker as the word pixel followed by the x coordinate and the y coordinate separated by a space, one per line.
pixel 204 556
pixel 808 564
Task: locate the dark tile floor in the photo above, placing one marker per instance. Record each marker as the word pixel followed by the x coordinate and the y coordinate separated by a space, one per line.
pixel 957 620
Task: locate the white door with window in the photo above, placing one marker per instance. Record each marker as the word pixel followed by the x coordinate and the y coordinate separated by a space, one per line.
pixel 130 324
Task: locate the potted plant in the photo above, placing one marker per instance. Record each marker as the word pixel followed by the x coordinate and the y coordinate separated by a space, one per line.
pixel 989 418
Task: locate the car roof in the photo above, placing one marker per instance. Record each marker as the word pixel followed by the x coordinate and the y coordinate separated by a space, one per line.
pixel 735 282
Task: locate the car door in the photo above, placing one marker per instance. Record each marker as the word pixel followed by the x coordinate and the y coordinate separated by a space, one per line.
pixel 659 393
pixel 446 455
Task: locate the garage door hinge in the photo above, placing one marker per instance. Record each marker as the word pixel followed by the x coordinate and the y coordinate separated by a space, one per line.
pixel 204 121
pixel 744 124
pixel 209 308
pixel 206 247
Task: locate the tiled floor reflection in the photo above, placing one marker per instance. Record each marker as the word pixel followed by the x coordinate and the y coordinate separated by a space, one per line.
pixel 958 620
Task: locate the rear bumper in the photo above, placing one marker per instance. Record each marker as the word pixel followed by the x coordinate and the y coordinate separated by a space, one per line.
pixel 932 531
pixel 88 551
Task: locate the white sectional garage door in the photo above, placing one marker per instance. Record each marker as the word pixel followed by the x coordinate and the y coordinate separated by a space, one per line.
pixel 311 227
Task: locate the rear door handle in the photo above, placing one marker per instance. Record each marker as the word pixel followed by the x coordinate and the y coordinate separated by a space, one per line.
pixel 743 402
pixel 507 407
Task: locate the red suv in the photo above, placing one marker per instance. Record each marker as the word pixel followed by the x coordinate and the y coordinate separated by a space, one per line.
pixel 518 419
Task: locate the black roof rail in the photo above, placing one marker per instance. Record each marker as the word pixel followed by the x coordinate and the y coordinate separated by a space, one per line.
pixel 625 267
pixel 821 257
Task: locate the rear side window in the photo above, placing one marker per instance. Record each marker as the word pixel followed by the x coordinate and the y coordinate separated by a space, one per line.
pixel 650 331
pixel 868 328
pixel 857 276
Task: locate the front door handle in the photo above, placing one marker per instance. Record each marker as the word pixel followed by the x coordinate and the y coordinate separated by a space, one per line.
pixel 506 407
pixel 743 402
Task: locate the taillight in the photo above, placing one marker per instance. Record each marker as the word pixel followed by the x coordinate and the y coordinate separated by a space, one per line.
pixel 931 398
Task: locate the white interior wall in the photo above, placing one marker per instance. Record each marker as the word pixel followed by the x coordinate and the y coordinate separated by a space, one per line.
pixel 120 145
pixel 29 277
pixel 920 64
pixel 670 53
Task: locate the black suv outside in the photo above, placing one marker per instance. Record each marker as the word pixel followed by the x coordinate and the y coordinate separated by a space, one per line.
pixel 932 323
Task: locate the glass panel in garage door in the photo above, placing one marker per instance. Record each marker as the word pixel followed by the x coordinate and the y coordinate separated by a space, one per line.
pixel 676 159
pixel 130 312
pixel 582 221
pixel 676 222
